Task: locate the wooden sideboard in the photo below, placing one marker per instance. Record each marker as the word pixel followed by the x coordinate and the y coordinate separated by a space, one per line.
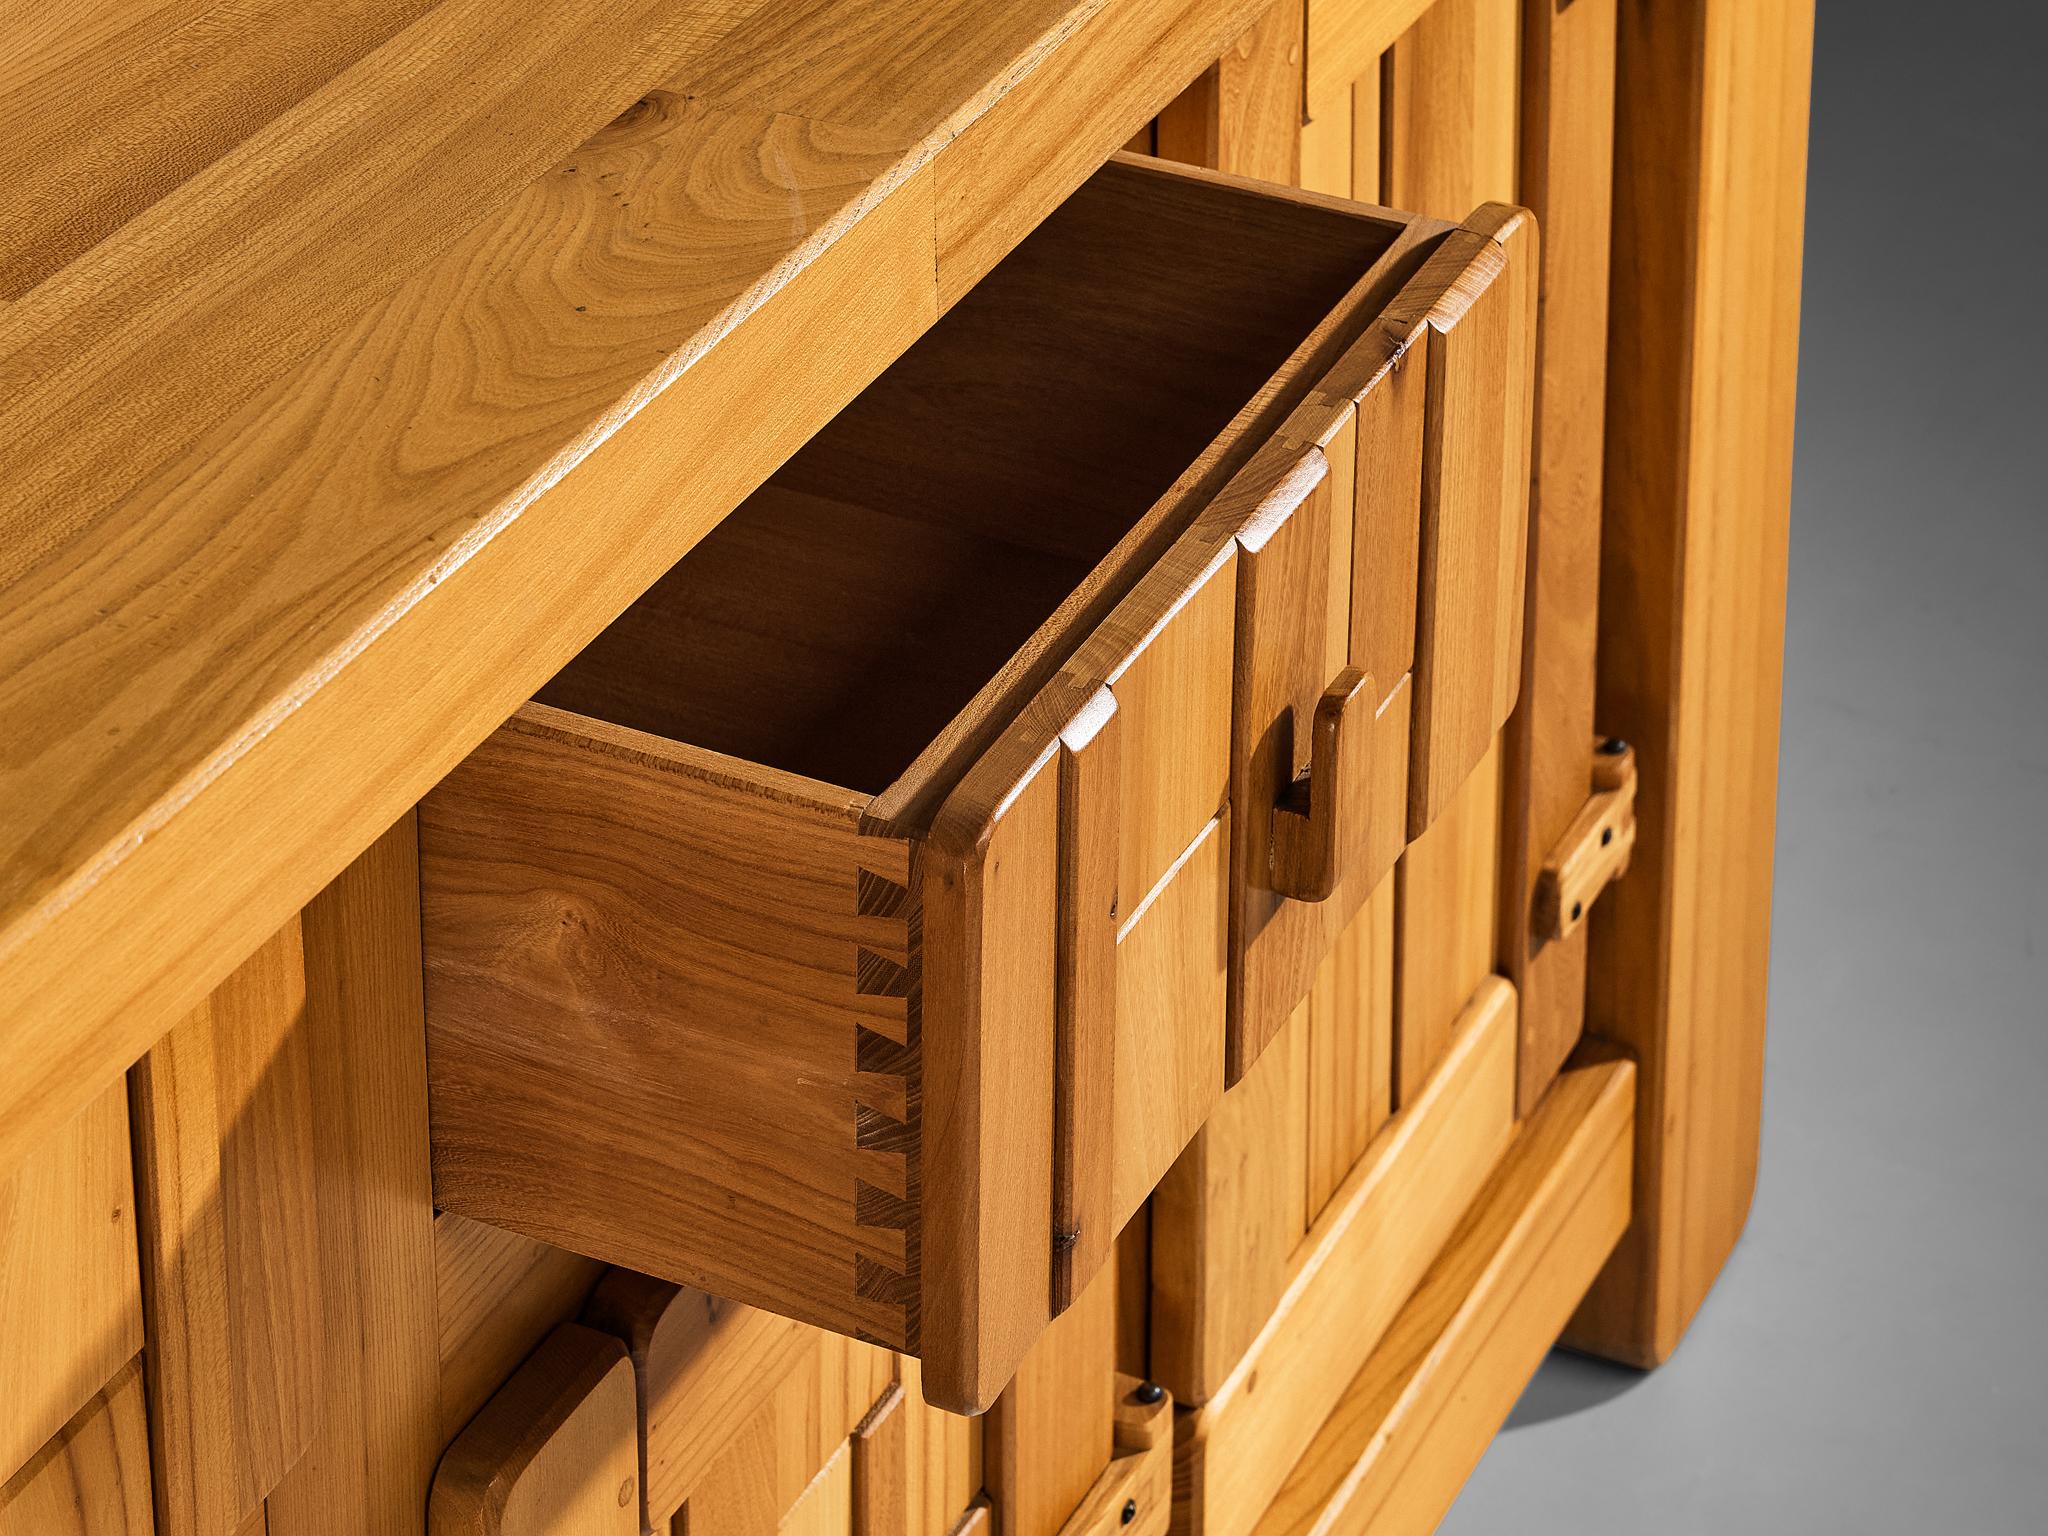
pixel 725 724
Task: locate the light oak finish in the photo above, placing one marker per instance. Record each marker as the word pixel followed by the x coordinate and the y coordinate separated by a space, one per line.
pixel 552 1453
pixel 945 1452
pixel 1361 1260
pixel 1053 1430
pixel 1134 1494
pixel 985 748
pixel 207 360
pixel 1444 904
pixel 496 1295
pixel 223 1122
pixel 1594 850
pixel 826 1507
pixel 92 1479
pixel 1243 113
pixel 1226 1219
pixel 881 1493
pixel 701 1367
pixel 1567 151
pixel 78 162
pixel 1350 1047
pixel 1701 385
pixel 370 1464
pixel 1450 114
pixel 1410 1427
pixel 70 1296
pixel 1346 39
pixel 797 1431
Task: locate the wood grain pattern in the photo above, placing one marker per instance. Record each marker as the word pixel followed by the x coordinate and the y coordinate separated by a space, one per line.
pixel 1567 165
pixel 826 1507
pixel 1119 65
pixel 78 161
pixel 552 1453
pixel 1052 1431
pixel 797 1432
pixel 558 805
pixel 1450 115
pixel 1444 905
pixel 1474 516
pixel 1243 113
pixel 882 1493
pixel 1171 980
pixel 1410 1427
pixel 1350 1046
pixel 262 1051
pixel 701 1367
pixel 1361 1260
pixel 1134 1494
pixel 1345 41
pixel 70 1296
pixel 945 1459
pixel 496 1295
pixel 1701 383
pixel 279 442
pixel 1226 1219
pixel 989 955
pixel 224 1115
pixel 369 1467
pixel 92 1479
pixel 1283 588
pixel 223 1110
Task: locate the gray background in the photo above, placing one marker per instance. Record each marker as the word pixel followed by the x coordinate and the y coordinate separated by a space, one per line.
pixel 1875 1357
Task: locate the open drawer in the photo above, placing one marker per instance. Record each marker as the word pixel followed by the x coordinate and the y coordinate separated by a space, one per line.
pixel 858 927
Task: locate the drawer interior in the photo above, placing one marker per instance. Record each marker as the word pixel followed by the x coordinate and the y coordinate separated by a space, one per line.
pixel 837 623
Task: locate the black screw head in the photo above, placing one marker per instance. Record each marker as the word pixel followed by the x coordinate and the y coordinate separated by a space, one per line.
pixel 1613 746
pixel 1130 1510
pixel 1606 836
pixel 1578 910
pixel 1148 1393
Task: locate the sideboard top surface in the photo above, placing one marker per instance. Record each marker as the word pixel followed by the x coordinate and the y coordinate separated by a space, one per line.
pixel 324 342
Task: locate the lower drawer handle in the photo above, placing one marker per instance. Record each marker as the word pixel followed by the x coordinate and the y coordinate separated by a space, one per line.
pixel 1326 812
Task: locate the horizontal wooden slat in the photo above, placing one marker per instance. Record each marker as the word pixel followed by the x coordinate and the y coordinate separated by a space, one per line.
pixel 1361 1260
pixel 1411 1426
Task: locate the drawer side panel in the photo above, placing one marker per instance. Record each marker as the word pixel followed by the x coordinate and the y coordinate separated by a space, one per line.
pixel 667 1020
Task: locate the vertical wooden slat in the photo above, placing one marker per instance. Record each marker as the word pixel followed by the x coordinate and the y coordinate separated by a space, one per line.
pixel 1445 905
pixel 1351 1028
pixel 1710 170
pixel 92 1479
pixel 1226 1219
pixel 1567 181
pixel 70 1297
pixel 944 1459
pixel 263 1075
pixel 1243 114
pixel 368 1470
pixel 174 1109
pixel 1051 1433
pixel 882 1491
pixel 1450 109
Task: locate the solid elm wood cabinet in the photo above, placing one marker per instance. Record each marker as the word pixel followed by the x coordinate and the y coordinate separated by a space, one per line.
pixel 363 371
pixel 863 923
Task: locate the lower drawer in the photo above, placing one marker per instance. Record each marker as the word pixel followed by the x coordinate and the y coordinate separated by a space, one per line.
pixel 859 927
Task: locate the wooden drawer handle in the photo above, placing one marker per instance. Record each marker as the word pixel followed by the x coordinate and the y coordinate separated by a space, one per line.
pixel 1326 812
